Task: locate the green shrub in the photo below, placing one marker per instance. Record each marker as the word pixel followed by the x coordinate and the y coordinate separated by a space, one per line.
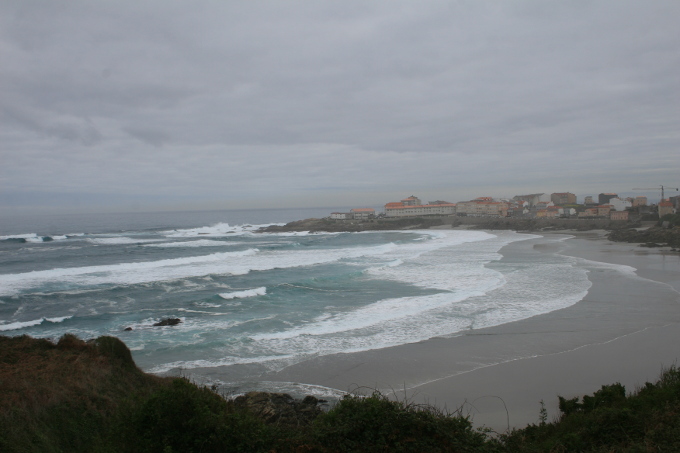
pixel 114 348
pixel 376 423
pixel 648 420
pixel 672 219
pixel 185 418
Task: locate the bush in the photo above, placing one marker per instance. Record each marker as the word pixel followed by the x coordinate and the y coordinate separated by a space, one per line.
pixel 648 420
pixel 115 349
pixel 185 418
pixel 672 219
pixel 376 423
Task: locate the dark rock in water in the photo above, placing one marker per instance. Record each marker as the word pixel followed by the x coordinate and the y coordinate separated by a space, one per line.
pixel 280 408
pixel 127 329
pixel 47 239
pixel 168 322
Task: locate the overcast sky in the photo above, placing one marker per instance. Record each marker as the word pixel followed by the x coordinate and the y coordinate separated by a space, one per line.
pixel 148 105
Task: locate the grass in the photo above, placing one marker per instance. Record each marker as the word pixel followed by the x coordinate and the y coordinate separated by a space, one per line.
pixel 77 396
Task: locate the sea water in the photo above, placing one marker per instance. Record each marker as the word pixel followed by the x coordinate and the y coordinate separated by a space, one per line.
pixel 264 300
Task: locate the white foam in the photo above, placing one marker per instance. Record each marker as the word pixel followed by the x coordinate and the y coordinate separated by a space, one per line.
pixel 477 297
pixel 474 289
pixel 188 310
pixel 371 315
pixel 217 230
pixel 32 237
pixel 20 325
pixel 58 319
pixel 207 363
pixel 196 243
pixel 300 233
pixel 120 240
pixel 230 263
pixel 207 305
pixel 247 293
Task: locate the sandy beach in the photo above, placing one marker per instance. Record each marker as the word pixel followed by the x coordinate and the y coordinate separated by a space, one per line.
pixel 625 330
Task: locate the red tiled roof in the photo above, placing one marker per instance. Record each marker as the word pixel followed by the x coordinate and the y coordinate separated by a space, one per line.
pixel 401 206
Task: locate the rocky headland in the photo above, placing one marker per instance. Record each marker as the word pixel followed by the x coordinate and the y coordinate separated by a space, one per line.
pixel 326 225
pixel 650 237
pixel 653 236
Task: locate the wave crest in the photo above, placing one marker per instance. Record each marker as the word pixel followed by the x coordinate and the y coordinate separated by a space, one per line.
pixel 261 291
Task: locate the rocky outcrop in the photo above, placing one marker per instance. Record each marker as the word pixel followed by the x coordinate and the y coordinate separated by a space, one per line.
pixel 335 226
pixel 651 237
pixel 280 408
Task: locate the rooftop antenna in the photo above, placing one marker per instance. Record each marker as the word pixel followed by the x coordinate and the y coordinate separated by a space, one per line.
pixel 663 197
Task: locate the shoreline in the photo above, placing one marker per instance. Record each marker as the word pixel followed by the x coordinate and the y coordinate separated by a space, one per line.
pixel 624 330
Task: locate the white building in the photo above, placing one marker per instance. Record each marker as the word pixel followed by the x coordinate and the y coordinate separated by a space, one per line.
pixel 411 207
pixel 362 213
pixel 619 204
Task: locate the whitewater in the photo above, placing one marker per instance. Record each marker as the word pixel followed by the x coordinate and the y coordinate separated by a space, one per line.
pixel 265 301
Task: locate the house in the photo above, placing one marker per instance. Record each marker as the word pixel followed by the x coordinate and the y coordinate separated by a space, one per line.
pixel 546 213
pixel 640 201
pixel 589 212
pixel 412 206
pixel 604 210
pixel 532 198
pixel 562 198
pixel 411 201
pixel 618 204
pixel 618 215
pixel 604 198
pixel 665 208
pixel 482 207
pixel 544 205
pixel 340 215
pixel 362 213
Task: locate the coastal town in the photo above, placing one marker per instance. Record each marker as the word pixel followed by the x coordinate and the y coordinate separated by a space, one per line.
pixel 531 206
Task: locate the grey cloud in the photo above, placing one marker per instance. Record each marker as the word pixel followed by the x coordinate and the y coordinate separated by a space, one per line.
pixel 262 90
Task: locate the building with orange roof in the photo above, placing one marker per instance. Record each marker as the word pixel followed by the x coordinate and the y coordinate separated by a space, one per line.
pixel 482 208
pixel 412 201
pixel 665 208
pixel 604 210
pixel 408 208
pixel 618 215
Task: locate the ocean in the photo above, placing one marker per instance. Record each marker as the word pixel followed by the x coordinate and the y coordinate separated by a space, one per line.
pixel 259 302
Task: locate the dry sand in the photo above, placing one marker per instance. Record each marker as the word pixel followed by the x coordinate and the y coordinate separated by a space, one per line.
pixel 625 330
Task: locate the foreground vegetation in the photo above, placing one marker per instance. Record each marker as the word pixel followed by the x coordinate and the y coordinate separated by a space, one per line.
pixel 77 396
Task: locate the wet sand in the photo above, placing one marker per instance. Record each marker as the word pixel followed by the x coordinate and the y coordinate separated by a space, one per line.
pixel 625 330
